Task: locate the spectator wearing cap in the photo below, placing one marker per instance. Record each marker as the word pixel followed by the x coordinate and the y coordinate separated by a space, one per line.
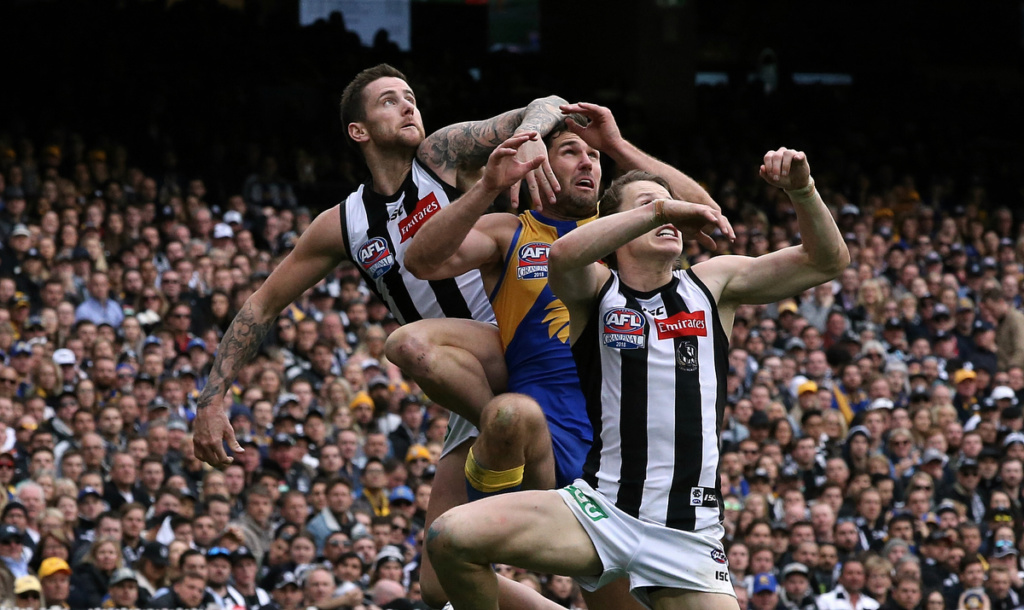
pixel 218 577
pixel 17 245
pixel 243 575
pixel 287 594
pixel 764 592
pixel 1009 328
pixel 55 581
pixel 283 452
pixel 982 352
pixel 12 539
pixel 796 591
pixel 13 214
pixel 966 383
pixel 410 431
pixel 934 550
pixel 151 569
pixel 964 490
pixel 124 590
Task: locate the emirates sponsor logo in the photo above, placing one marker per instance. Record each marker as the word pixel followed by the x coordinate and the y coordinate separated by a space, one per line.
pixel 682 324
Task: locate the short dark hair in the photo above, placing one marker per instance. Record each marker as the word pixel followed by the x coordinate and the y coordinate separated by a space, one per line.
pixel 353 106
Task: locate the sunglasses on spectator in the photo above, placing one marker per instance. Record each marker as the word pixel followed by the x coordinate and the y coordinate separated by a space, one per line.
pixel 923 488
pixel 9 380
pixel 181 315
pixel 28 595
pixel 6 466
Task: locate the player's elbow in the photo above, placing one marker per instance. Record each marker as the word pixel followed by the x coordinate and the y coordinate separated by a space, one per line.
pixel 841 260
pixel 421 268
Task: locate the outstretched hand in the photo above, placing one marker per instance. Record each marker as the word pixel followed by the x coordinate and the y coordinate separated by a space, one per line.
pixel 504 169
pixel 541 181
pixel 601 132
pixel 694 220
pixel 212 428
pixel 786 169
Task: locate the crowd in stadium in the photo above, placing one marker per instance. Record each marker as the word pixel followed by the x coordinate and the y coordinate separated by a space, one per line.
pixel 873 445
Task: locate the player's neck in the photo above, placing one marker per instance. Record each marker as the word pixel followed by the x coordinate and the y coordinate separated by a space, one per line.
pixel 644 276
pixel 388 169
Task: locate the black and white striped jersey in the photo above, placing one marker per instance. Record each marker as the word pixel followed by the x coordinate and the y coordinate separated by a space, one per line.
pixel 377 231
pixel 653 368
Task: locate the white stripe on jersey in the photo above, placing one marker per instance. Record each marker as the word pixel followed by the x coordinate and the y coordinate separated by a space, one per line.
pixel 378 258
pixel 662 369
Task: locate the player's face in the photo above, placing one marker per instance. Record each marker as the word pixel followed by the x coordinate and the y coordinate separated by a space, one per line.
pixel 577 167
pixel 665 239
pixel 392 117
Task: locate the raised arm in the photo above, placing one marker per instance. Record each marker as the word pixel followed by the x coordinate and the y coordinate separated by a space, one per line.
pixel 603 134
pixel 574 274
pixel 820 257
pixel 459 238
pixel 317 251
pixel 452 150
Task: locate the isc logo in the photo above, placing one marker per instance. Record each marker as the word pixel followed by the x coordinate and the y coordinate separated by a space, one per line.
pixel 375 257
pixel 624 328
pixel 533 261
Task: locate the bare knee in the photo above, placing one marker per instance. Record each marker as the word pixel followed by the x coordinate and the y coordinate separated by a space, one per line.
pixel 443 542
pixel 432 593
pixel 511 419
pixel 409 348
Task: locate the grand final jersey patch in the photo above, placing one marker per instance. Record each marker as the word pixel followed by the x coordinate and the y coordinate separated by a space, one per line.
pixel 624 329
pixel 533 261
pixel 375 257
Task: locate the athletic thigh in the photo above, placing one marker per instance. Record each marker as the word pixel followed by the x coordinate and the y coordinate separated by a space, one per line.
pixel 534 530
pixel 480 339
pixel 677 599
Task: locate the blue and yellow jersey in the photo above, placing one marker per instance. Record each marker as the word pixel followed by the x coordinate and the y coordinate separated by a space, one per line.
pixel 534 326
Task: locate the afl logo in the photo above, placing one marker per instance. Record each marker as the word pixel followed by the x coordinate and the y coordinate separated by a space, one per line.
pixel 376 257
pixel 533 261
pixel 624 329
pixel 718 555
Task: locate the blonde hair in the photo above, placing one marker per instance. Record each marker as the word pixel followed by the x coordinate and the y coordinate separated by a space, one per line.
pixel 91 555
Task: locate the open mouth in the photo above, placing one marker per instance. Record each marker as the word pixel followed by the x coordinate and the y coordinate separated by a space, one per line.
pixel 585 183
pixel 668 231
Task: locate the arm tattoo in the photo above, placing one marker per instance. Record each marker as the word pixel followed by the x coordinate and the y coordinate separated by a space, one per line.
pixel 542 115
pixel 237 348
pixel 470 143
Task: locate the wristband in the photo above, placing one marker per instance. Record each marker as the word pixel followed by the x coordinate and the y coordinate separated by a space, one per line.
pixel 802 193
pixel 659 212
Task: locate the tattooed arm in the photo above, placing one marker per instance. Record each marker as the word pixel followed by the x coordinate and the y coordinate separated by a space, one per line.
pixel 317 251
pixel 457 149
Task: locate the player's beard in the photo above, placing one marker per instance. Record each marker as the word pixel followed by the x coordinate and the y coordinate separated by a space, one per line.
pixel 577 205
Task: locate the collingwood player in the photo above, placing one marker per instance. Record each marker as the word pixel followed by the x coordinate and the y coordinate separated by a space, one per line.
pixel 412 177
pixel 651 346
